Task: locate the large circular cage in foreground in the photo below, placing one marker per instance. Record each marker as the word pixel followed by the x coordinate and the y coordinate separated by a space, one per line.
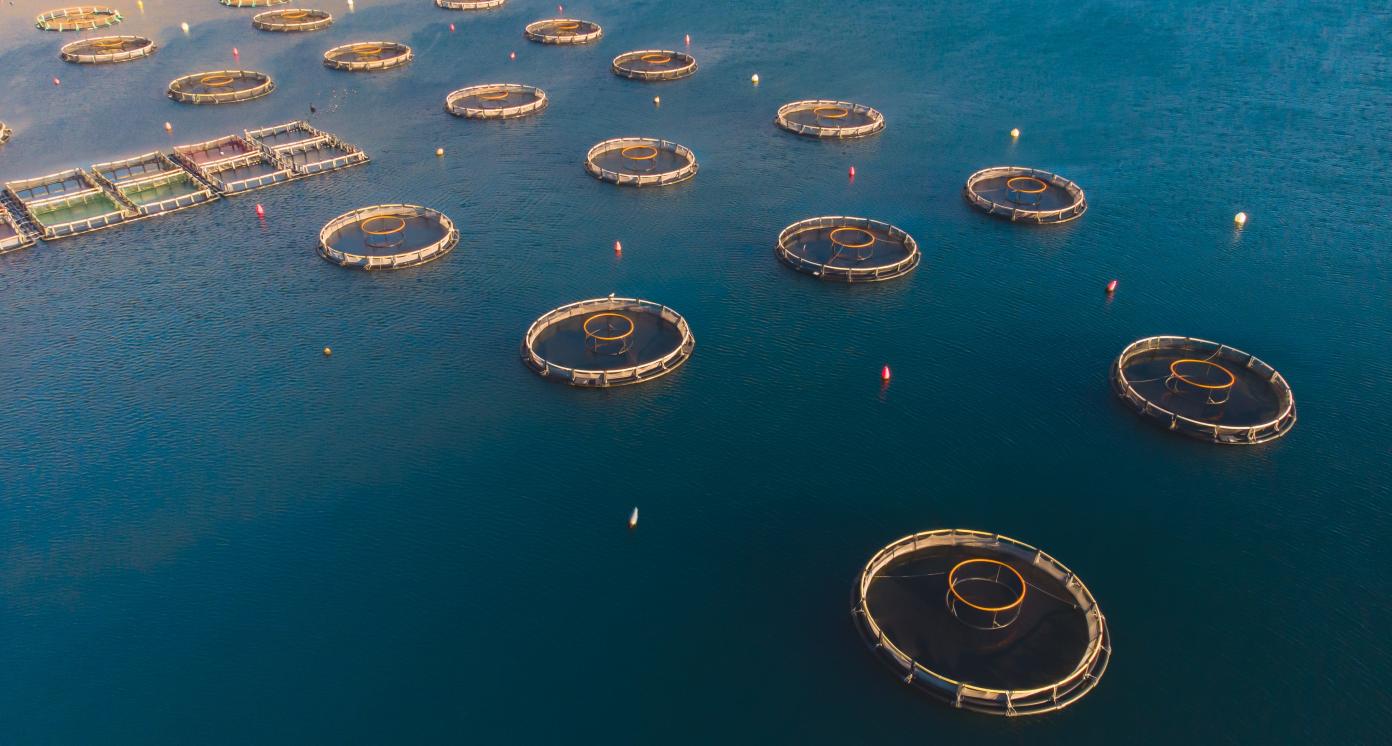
pixel 1204 389
pixel 641 161
pixel 563 31
pixel 292 19
pixel 387 237
pixel 1025 194
pixel 983 622
pixel 470 4
pixel 608 342
pixel 366 56
pixel 220 87
pixel 107 49
pixel 833 119
pixel 654 64
pixel 849 249
pixel 78 18
pixel 496 101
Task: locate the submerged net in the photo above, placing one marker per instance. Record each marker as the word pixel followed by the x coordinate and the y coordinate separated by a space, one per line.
pixel 608 342
pixel 107 49
pixel 220 87
pixel 368 55
pixel 563 31
pixel 654 64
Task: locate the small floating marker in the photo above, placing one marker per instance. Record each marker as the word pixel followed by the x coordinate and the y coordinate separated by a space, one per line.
pixel 451 28
pixel 884 374
pixel 184 26
pixel 618 248
pixel 1240 219
pixel 260 211
pixel 236 54
pixel 688 40
pixel 1015 132
pixel 168 127
pixel 852 173
pixel 1111 287
pixel 55 81
pixel 633 519
pixel 560 8
pixel 141 5
pixel 754 78
pixel 439 152
pixel 657 100
pixel 327 352
pixel 512 55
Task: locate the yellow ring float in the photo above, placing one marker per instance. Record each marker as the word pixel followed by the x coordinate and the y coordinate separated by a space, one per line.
pixel 600 338
pixel 836 112
pixel 367 50
pixel 108 43
pixel 1232 379
pixel 952 586
pixel 399 227
pixel 567 26
pixel 294 15
pixel 861 245
pixel 495 96
pixel 216 81
pixel 1036 186
pixel 648 152
pixel 656 59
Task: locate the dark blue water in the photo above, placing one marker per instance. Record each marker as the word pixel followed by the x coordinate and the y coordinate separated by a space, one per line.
pixel 211 532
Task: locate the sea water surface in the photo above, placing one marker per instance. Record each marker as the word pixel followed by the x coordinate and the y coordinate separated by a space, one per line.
pixel 211 532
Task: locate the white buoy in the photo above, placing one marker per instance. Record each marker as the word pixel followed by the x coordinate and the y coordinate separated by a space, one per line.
pixel 1015 132
pixel 633 519
pixel 1240 219
pixel 168 127
pixel 184 26
pixel 754 78
pixel 439 152
pixel 657 100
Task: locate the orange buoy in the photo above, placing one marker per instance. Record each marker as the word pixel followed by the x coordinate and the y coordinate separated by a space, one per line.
pixel 1111 287
pixel 260 211
pixel 884 373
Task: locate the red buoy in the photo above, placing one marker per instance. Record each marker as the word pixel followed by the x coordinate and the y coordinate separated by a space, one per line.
pixel 236 54
pixel 618 248
pixel 884 373
pixel 260 211
pixel 688 40
pixel 1111 287
pixel 852 173
pixel 451 28
pixel 55 81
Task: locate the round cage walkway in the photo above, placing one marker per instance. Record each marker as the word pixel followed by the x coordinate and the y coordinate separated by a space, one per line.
pixel 1025 194
pixel 496 101
pixel 1204 389
pixel 848 249
pixel 292 19
pixel 982 621
pixel 641 161
pixel 833 119
pixel 563 31
pixel 368 55
pixel 107 49
pixel 607 342
pixel 78 18
pixel 470 4
pixel 252 3
pixel 387 237
pixel 220 87
pixel 654 64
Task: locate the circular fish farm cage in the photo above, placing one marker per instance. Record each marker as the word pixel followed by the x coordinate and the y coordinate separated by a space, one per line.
pixel 220 87
pixel 1025 194
pixel 107 49
pixel 608 342
pixel 79 18
pixel 496 101
pixel 292 19
pixel 832 119
pixel 563 31
pixel 654 64
pixel 387 237
pixel 364 56
pixel 641 161
pixel 252 3
pixel 470 4
pixel 5 133
pixel 983 622
pixel 848 249
pixel 1205 390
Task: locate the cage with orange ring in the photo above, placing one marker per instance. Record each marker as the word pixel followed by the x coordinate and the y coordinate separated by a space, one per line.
pixel 365 56
pixel 605 342
pixel 252 3
pixel 220 87
pixel 393 236
pixel 1204 389
pixel 829 119
pixel 1025 190
pixel 469 4
pixel 292 20
pixel 641 161
pixel 496 101
pixel 563 31
pixel 848 249
pixel 982 622
pixel 654 65
pixel 1026 195
pixel 78 18
pixel 107 49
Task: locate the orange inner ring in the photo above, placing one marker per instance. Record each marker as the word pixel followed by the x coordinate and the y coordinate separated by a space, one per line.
pixel 648 152
pixel 1232 379
pixel 367 50
pixel 952 586
pixel 596 336
pixel 567 26
pixel 399 227
pixel 836 112
pixel 294 15
pixel 216 81
pixel 1032 189
pixel 495 96
pixel 109 43
pixel 862 245
pixel 656 59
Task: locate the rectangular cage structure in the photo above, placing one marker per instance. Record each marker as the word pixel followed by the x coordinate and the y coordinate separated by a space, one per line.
pixel 68 203
pixel 307 149
pixel 154 183
pixel 233 164
pixel 14 233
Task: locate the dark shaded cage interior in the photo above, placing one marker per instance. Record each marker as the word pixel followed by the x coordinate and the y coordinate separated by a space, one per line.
pixel 1037 637
pixel 218 150
pixel 496 98
pixel 848 246
pixel 1024 192
pixel 108 45
pixel 640 159
pixel 366 52
pixel 78 18
pixel 563 27
pixel 218 84
pixel 828 115
pixel 388 234
pixel 1200 385
pixel 607 339
pixel 653 62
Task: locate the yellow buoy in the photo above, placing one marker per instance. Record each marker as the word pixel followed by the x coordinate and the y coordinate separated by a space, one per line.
pixel 633 520
pixel 327 352
pixel 1240 219
pixel 184 26
pixel 439 152
pixel 754 78
pixel 1015 132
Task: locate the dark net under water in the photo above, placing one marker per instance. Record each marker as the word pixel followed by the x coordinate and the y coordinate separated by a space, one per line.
pixel 663 162
pixel 564 342
pixel 828 116
pixel 387 235
pixel 816 245
pixel 998 189
pixel 1043 645
pixel 1252 399
pixel 495 99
